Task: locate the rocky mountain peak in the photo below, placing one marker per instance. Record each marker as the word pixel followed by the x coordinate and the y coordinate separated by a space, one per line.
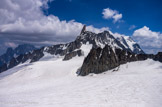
pixel 83 29
pixel 12 53
pixel 23 48
pixel 105 37
pixel 9 50
pixel 102 59
pixel 104 41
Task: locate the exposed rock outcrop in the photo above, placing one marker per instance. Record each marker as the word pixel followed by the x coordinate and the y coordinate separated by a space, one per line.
pixel 100 60
pixel 3 68
pixel 70 55
pixel 102 54
pixel 83 29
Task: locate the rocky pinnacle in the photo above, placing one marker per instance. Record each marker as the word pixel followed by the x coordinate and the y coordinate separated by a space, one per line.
pixel 83 29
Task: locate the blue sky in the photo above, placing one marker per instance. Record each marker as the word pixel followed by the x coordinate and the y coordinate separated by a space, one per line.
pixel 48 22
pixel 135 12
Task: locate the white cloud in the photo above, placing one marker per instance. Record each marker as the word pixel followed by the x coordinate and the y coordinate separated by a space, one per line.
pixel 117 17
pixel 111 14
pixel 24 21
pixel 132 27
pixel 149 40
pixel 146 32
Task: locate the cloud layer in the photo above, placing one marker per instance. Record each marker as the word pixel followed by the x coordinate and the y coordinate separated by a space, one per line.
pixel 149 40
pixel 23 21
pixel 111 14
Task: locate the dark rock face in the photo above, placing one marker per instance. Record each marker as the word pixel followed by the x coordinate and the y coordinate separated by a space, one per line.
pixel 158 57
pixel 7 56
pixel 36 55
pixel 83 29
pixel 59 49
pixel 97 61
pixel 24 48
pixel 72 54
pixel 137 48
pixel 91 62
pixel 100 60
pixel 3 68
pixel 13 63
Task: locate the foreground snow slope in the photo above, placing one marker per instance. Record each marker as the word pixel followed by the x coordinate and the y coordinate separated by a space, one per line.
pixel 52 82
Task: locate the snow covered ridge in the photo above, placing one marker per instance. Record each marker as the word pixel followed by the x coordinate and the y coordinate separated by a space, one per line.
pixel 75 48
pixel 107 38
pixel 47 77
pixel 100 60
pixel 53 83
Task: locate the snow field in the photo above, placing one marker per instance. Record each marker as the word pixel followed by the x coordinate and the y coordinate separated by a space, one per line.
pixel 52 82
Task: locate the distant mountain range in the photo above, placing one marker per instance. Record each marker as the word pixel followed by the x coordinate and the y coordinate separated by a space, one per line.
pixel 13 53
pixel 107 51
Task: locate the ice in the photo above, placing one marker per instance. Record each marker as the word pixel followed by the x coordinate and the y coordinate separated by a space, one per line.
pixel 54 83
pixel 128 40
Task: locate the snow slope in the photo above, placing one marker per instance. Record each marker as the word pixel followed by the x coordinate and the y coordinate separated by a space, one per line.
pixel 52 82
pixel 128 43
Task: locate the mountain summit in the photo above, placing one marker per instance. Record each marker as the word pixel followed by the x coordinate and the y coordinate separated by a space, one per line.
pixel 105 38
pixel 83 29
pixel 103 50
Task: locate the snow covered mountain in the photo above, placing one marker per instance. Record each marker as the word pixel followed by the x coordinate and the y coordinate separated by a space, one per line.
pixel 48 77
pixel 52 82
pixel 129 43
pixel 105 38
pixel 11 53
pixel 72 49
